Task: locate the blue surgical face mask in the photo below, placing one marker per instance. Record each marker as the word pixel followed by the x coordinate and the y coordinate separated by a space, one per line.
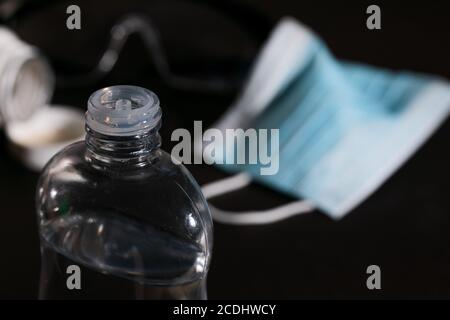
pixel 344 128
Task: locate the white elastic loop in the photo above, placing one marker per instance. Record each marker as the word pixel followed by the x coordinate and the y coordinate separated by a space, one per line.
pixel 239 181
pixel 214 189
pixel 261 217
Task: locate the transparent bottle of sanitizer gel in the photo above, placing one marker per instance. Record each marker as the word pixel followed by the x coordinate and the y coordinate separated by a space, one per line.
pixel 117 217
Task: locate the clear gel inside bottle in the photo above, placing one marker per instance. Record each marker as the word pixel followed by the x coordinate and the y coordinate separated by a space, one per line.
pixel 117 207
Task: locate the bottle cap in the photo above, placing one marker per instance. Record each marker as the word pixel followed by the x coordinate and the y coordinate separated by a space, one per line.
pixel 123 111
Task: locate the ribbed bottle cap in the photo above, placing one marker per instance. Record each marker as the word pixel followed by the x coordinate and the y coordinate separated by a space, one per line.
pixel 123 111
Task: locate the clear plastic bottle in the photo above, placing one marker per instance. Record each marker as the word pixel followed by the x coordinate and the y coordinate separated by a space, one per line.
pixel 117 206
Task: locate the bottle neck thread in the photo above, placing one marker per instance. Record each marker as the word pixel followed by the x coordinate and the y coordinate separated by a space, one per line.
pixel 121 150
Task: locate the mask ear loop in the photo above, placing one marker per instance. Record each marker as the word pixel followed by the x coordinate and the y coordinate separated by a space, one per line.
pixel 260 217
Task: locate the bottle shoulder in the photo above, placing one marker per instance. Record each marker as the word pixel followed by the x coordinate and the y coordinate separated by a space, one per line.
pixel 74 163
pixel 160 182
pixel 157 209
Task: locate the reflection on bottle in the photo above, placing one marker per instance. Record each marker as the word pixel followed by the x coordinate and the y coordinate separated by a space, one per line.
pixel 98 285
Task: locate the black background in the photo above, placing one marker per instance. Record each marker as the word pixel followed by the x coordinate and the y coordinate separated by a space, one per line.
pixel 404 227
